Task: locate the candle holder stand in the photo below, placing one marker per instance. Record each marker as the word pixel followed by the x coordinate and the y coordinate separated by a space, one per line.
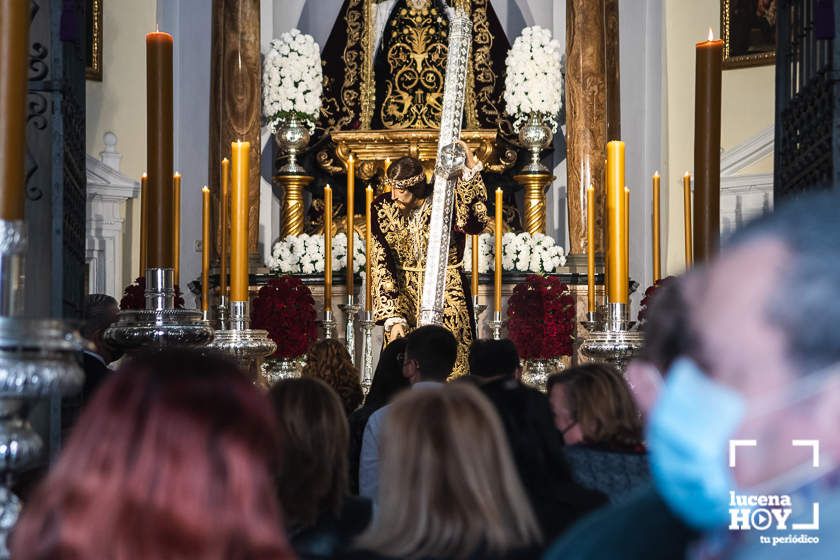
pixel 367 323
pixel 613 339
pixel 245 345
pixel 350 309
pixel 160 324
pixel 478 309
pixel 496 326
pixel 38 359
pixel 222 316
pixel 328 324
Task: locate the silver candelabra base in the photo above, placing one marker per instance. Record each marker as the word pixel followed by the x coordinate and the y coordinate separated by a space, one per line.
pixel 478 309
pixel 350 309
pixel 246 345
pixel 612 338
pixel 328 324
pixel 367 351
pixel 496 326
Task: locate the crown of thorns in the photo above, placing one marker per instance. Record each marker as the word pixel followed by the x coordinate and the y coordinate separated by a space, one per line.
pixel 403 184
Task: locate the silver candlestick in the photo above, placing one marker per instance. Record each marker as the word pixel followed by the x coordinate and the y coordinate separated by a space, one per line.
pixel 478 309
pixel 222 316
pixel 328 324
pixel 496 326
pixel 613 340
pixel 367 350
pixel 38 359
pixel 246 345
pixel 350 309
pixel 159 324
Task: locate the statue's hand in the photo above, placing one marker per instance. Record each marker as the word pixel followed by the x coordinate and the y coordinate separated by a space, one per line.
pixel 471 161
pixel 397 331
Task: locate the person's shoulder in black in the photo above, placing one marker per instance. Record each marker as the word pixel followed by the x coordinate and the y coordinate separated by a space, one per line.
pixel 641 527
pixel 332 534
pixel 519 554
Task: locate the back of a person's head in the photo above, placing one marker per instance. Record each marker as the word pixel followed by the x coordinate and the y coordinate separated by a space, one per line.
pixel 388 379
pixel 601 403
pixel 809 229
pixel 99 311
pixel 667 328
pixel 450 488
pixel 171 459
pixel 435 349
pixel 329 361
pixel 493 358
pixel 312 463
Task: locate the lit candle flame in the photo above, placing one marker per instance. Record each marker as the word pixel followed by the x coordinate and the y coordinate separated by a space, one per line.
pixel 711 35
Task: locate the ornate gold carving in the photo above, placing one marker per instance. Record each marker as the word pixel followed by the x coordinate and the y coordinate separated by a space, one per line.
pixel 415 40
pixel 368 91
pixel 292 202
pixel 484 78
pixel 534 201
pixel 94 70
pixel 353 58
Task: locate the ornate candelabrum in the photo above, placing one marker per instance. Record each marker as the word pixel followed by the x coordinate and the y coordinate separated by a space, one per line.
pixel 222 313
pixel 367 350
pixel 478 309
pixel 246 345
pixel 38 359
pixel 496 326
pixel 292 136
pixel 159 324
pixel 611 337
pixel 350 309
pixel 328 324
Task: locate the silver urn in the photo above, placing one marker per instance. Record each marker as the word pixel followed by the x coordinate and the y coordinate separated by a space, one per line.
pixel 535 135
pixel 292 137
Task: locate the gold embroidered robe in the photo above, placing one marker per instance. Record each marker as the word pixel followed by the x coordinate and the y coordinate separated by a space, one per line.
pixel 398 261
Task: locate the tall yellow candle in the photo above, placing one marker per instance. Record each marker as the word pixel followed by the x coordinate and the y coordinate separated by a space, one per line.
pixel 657 258
pixel 205 248
pixel 368 248
pixel 328 209
pixel 474 273
pixel 224 224
pixel 239 221
pixel 689 243
pixel 351 212
pixel 176 227
pixel 590 249
pixel 497 278
pixel 144 223
pixel 627 231
pixel 617 288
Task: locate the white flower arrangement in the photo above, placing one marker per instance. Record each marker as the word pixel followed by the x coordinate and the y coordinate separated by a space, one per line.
pixel 292 80
pixel 534 81
pixel 521 252
pixel 304 254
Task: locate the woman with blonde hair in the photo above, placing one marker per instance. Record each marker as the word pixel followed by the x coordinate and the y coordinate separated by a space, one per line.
pixel 329 361
pixel 448 486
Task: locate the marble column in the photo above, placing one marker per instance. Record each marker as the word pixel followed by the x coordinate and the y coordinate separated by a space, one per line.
pixel 235 101
pixel 613 69
pixel 586 119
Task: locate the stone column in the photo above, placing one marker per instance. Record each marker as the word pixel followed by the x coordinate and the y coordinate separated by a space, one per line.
pixel 613 69
pixel 235 102
pixel 586 119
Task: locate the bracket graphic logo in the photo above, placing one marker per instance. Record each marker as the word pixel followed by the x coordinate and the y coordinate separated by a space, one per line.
pixel 762 512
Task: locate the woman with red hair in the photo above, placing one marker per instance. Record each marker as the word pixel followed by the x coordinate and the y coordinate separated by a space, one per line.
pixel 171 459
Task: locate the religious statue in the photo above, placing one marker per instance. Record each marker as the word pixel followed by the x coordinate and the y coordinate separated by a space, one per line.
pixel 400 230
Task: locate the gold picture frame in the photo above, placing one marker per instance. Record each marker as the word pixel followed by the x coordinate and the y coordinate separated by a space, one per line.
pixel 748 29
pixel 93 64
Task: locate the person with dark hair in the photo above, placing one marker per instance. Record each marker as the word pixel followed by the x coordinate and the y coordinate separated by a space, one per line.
pixel 400 230
pixel 99 312
pixel 387 382
pixel 596 414
pixel 312 469
pixel 329 361
pixel 537 447
pixel 430 354
pixel 171 459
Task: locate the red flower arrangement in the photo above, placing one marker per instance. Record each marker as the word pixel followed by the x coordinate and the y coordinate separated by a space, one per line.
pixel 541 318
pixel 285 308
pixel 649 293
pixel 134 296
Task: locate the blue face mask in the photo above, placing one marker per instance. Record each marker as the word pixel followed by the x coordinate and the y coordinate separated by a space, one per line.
pixel 688 440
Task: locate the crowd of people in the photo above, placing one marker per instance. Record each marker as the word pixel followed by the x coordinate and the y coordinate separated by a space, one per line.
pixel 177 454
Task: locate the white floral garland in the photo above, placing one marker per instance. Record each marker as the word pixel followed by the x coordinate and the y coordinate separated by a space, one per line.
pixel 534 81
pixel 304 254
pixel 292 80
pixel 521 252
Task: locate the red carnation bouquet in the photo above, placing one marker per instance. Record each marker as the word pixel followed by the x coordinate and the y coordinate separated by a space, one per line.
pixel 648 297
pixel 134 296
pixel 541 318
pixel 285 308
